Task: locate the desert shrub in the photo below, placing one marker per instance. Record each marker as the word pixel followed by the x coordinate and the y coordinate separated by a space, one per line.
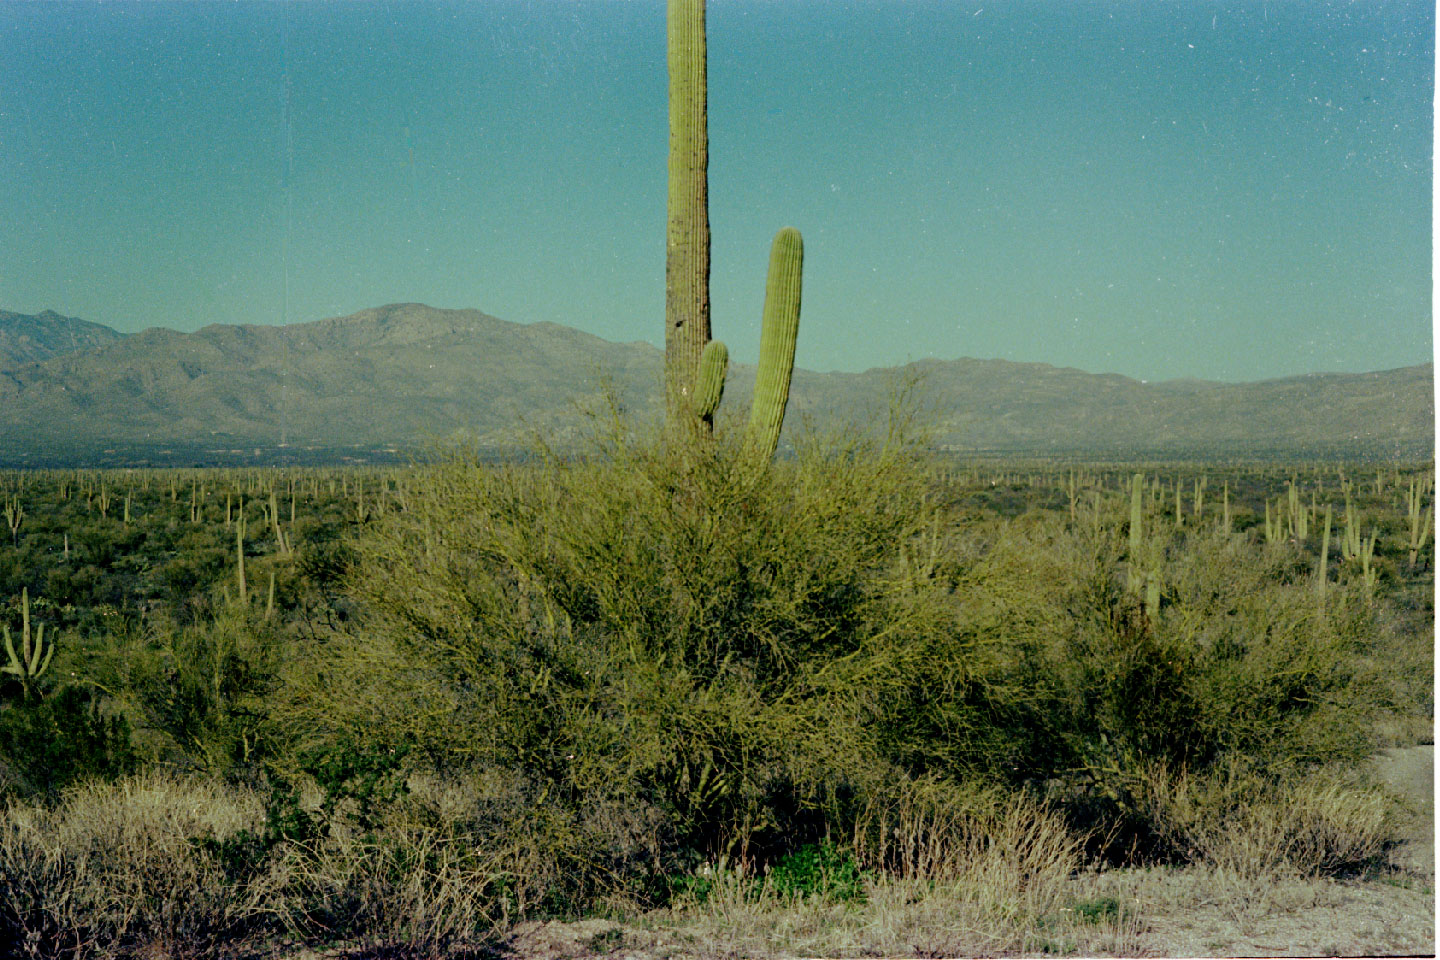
pixel 113 866
pixel 1250 824
pixel 1240 658
pixel 757 662
pixel 655 627
pixel 198 562
pixel 192 694
pixel 823 870
pixel 51 742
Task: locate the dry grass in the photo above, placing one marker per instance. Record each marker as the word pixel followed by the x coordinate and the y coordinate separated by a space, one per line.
pixel 1323 825
pixel 961 884
pixel 117 863
pixel 123 869
pixel 1208 911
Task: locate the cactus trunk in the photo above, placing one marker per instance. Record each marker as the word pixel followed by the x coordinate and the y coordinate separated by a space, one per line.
pixel 687 233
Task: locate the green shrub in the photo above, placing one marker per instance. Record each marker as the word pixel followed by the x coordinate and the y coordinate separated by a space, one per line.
pixel 651 627
pixel 823 870
pixel 757 662
pixel 50 743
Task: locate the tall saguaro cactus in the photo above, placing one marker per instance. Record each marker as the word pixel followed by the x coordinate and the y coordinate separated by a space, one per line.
pixel 695 365
pixel 687 229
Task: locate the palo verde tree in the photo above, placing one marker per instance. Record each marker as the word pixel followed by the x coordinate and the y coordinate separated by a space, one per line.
pixel 695 365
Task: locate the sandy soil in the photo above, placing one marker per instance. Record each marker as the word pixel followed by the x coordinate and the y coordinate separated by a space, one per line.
pixel 1410 771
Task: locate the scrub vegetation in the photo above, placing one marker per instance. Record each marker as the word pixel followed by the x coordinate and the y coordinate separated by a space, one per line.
pixel 863 700
pixel 698 700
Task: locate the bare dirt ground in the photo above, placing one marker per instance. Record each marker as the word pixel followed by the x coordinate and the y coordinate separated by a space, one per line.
pixel 1410 771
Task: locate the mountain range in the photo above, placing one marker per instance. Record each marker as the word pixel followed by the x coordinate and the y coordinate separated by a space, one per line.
pixel 384 381
pixel 26 339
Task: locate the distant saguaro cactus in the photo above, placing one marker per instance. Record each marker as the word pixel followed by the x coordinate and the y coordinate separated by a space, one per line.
pixel 14 515
pixel 1137 491
pixel 1320 575
pixel 34 655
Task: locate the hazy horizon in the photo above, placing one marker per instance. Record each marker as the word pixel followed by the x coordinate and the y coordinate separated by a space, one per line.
pixel 1224 191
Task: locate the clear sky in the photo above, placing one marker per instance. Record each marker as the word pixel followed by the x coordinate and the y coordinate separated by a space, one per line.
pixel 1232 190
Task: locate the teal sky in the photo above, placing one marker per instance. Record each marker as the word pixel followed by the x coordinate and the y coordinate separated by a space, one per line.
pixel 1230 190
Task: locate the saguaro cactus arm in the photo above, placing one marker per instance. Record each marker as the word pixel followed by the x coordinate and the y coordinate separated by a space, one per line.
pixel 778 330
pixel 710 385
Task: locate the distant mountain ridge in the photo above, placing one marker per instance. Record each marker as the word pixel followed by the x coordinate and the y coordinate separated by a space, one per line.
pixel 396 375
pixel 26 338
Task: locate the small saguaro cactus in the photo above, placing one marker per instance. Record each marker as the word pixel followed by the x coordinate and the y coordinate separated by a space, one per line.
pixel 14 515
pixel 1419 520
pixel 1320 576
pixel 34 656
pixel 1137 494
pixel 1368 574
pixel 1137 489
pixel 240 560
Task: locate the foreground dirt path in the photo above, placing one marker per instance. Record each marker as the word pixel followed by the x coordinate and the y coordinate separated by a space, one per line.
pixel 1410 772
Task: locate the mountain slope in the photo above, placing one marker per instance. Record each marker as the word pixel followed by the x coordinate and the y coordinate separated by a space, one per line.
pixel 398 374
pixel 26 338
pixel 387 375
